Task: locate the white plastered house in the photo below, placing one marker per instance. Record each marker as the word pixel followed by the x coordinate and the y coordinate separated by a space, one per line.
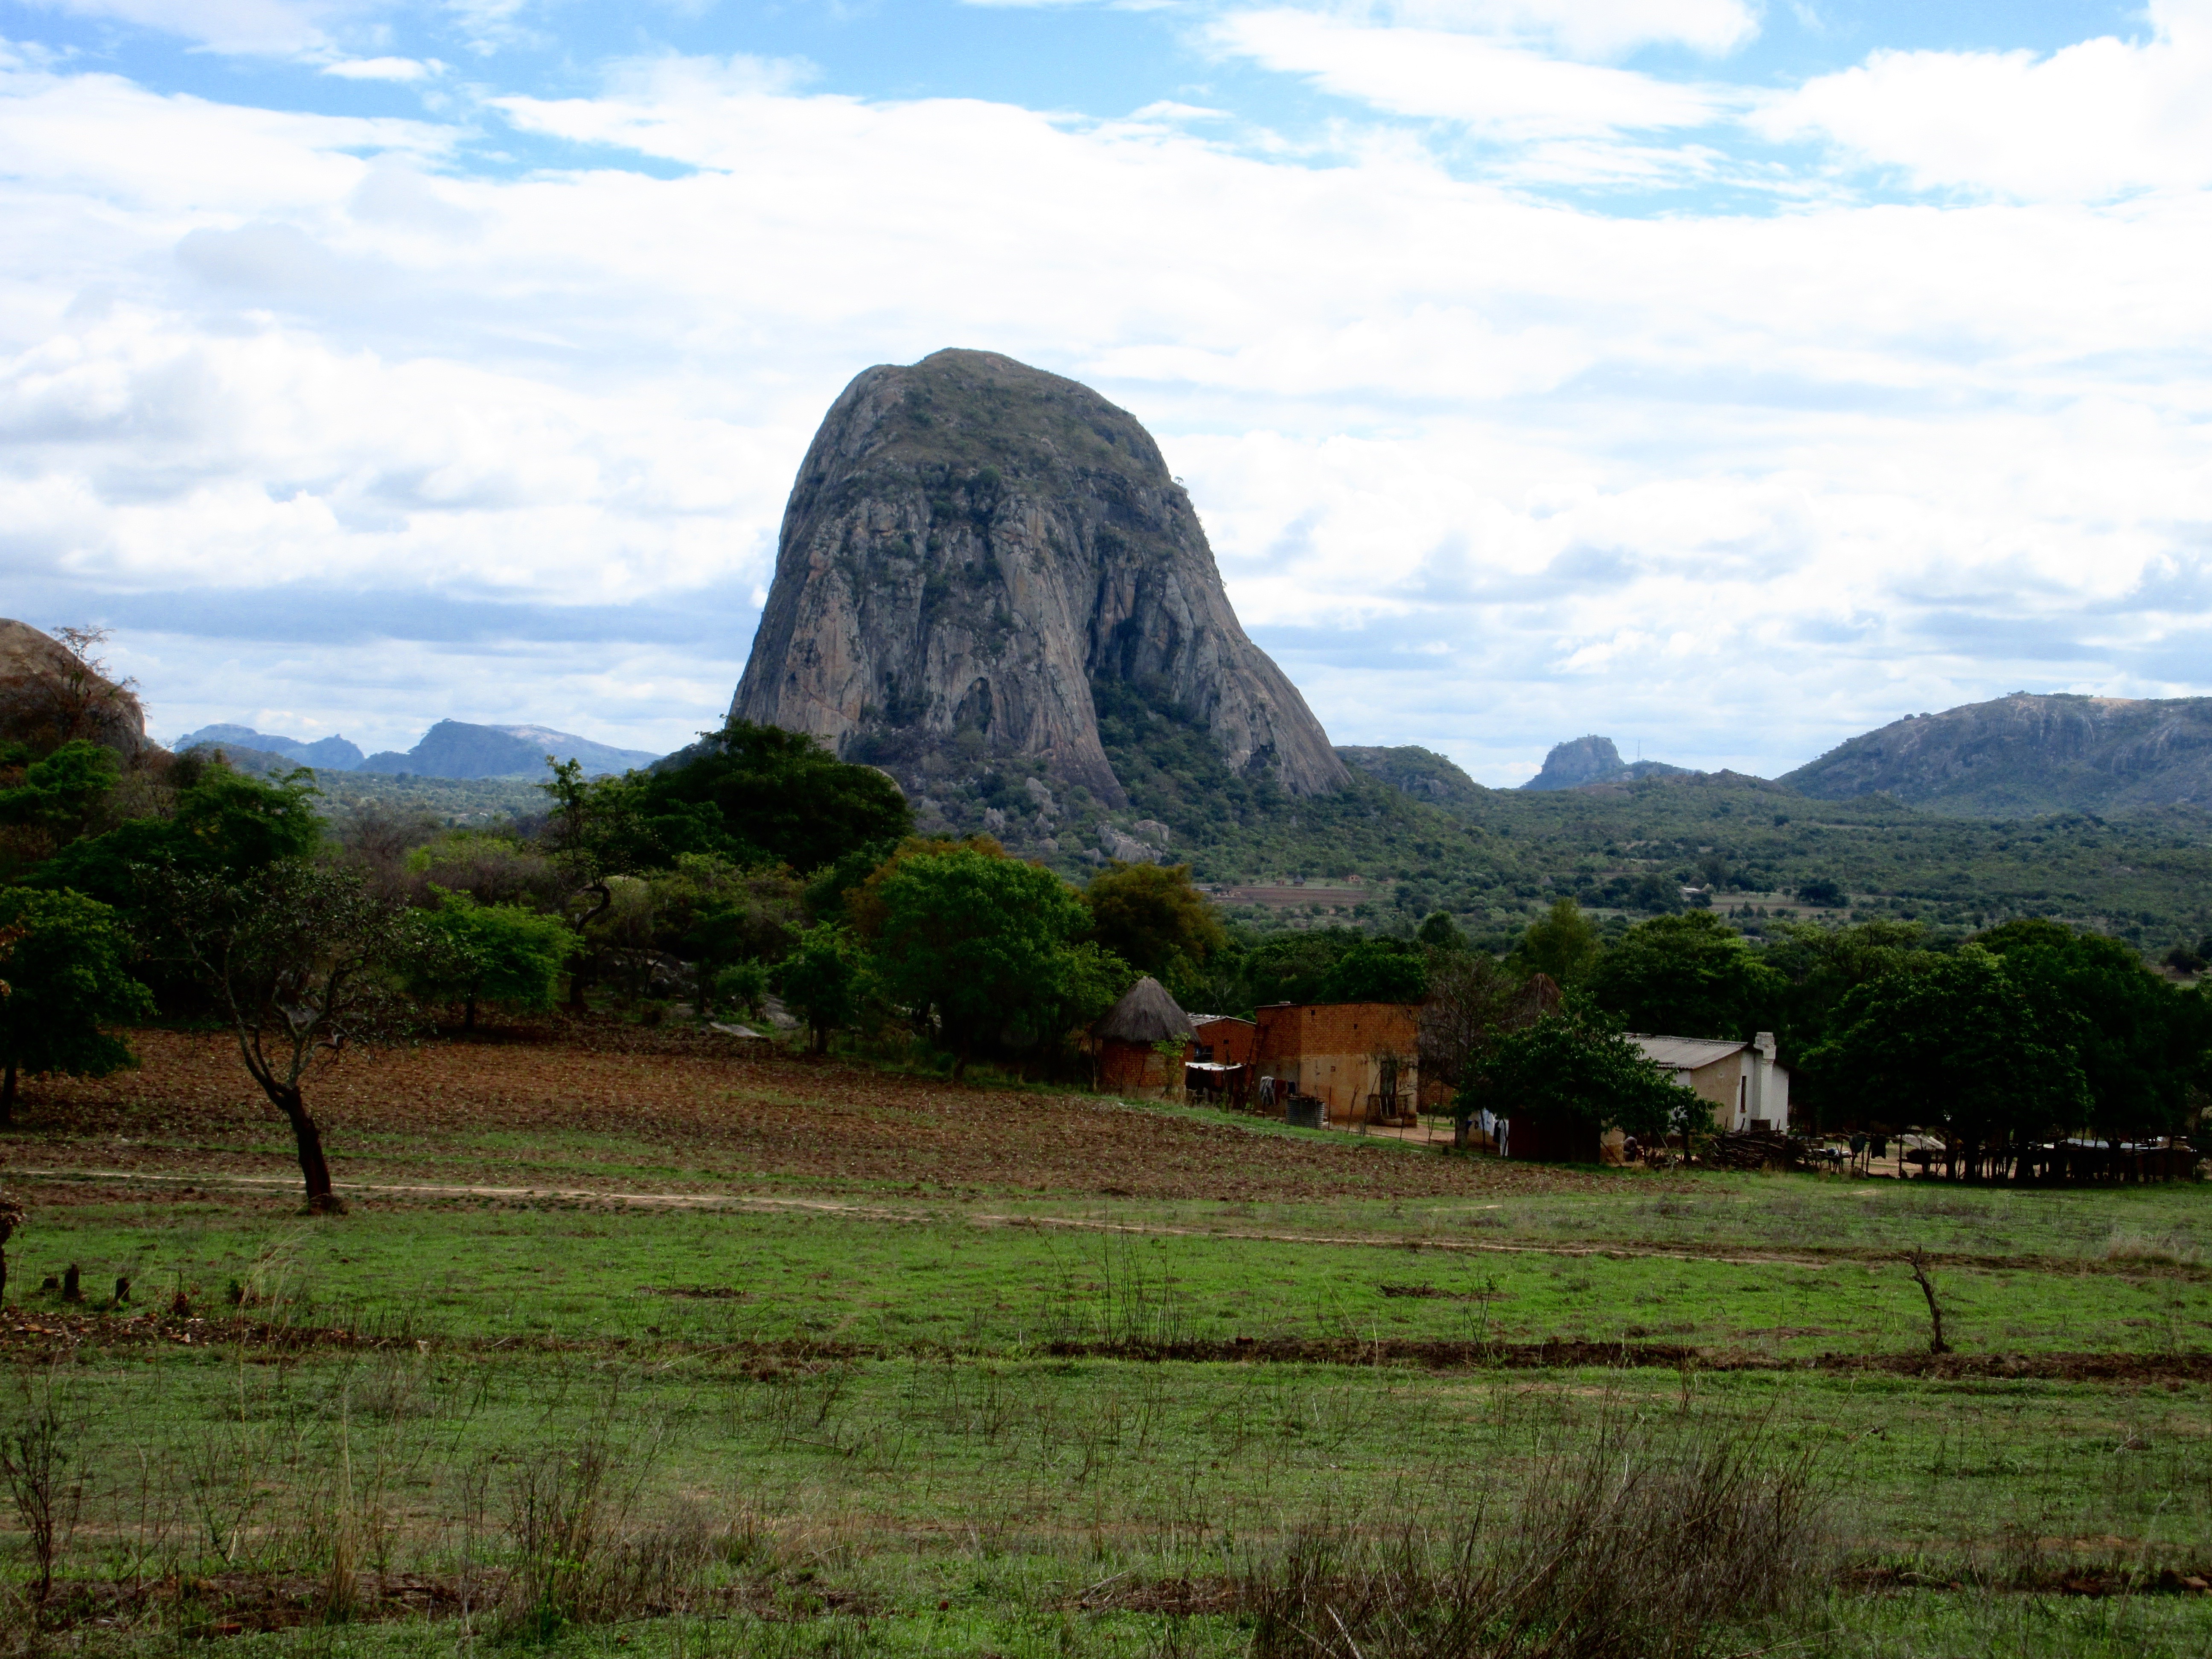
pixel 1741 1081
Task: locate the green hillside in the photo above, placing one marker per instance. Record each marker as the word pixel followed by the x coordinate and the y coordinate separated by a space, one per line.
pixel 1494 857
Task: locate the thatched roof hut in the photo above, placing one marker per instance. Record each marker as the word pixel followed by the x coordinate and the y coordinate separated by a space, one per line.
pixel 1146 1014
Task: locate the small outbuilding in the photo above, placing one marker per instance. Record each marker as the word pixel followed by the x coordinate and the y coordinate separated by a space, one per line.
pixel 1741 1082
pixel 1129 1037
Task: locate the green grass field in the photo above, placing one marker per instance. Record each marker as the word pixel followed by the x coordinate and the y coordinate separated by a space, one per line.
pixel 805 1415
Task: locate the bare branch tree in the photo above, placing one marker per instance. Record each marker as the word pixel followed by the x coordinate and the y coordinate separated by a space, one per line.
pixel 300 959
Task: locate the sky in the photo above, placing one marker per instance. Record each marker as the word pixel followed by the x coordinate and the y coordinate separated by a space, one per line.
pixel 1726 378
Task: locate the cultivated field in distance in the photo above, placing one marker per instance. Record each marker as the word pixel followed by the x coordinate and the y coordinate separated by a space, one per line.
pixel 635 1337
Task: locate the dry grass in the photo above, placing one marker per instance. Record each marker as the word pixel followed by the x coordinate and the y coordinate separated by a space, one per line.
pixel 1637 1544
pixel 602 1105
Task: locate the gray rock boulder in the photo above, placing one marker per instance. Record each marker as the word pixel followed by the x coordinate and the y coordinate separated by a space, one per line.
pixel 969 545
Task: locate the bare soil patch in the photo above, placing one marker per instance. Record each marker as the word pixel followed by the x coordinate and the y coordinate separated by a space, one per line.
pixel 596 1105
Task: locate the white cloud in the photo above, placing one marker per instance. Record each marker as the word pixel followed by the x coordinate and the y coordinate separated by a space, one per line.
pixel 1501 89
pixel 383 69
pixel 239 26
pixel 1583 28
pixel 1485 472
pixel 2093 120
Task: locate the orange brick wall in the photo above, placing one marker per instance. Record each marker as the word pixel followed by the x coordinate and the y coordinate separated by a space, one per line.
pixel 1329 1047
pixel 1233 1041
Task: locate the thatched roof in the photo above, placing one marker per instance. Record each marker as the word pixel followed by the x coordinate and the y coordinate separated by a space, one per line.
pixel 1146 1014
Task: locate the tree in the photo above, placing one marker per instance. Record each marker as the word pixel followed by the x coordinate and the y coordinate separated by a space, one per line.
pixel 1152 917
pixel 980 939
pixel 1470 1004
pixel 821 980
pixel 503 953
pixel 1950 1043
pixel 1574 1069
pixel 751 794
pixel 221 823
pixel 68 977
pixel 1377 970
pixel 1563 942
pixel 1441 933
pixel 1687 976
pixel 296 956
pixel 2139 1041
pixel 57 799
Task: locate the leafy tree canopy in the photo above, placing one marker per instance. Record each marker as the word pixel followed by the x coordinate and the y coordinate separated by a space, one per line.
pixel 981 938
pixel 68 978
pixel 503 953
pixel 1951 1043
pixel 1377 970
pixel 224 825
pixel 2139 1041
pixel 1690 975
pixel 1575 1067
pixel 757 794
pixel 1152 916
pixel 1563 942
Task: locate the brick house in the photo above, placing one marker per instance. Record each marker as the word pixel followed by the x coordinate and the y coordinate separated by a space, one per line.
pixel 1343 1053
pixel 1741 1081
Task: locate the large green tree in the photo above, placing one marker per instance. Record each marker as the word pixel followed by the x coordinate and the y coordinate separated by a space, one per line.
pixel 1563 942
pixel 2139 1041
pixel 982 939
pixel 1574 1068
pixel 502 953
pixel 1152 917
pixel 1377 970
pixel 749 794
pixel 222 824
pixel 1952 1043
pixel 1690 975
pixel 69 980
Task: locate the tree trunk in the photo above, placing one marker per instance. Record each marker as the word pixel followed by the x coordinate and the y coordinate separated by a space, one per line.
pixel 321 1198
pixel 469 1019
pixel 8 1099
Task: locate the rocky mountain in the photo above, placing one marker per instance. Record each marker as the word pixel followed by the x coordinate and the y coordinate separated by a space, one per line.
pixel 1421 773
pixel 455 748
pixel 973 553
pixel 2026 754
pixel 50 694
pixel 331 754
pixel 1594 760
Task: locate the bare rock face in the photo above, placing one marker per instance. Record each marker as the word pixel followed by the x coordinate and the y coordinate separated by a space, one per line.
pixel 2028 753
pixel 49 694
pixel 972 543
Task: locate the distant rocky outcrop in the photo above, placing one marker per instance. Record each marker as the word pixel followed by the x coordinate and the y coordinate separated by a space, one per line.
pixel 2029 754
pixel 1419 772
pixel 971 547
pixel 455 748
pixel 50 695
pixel 1594 760
pixel 331 754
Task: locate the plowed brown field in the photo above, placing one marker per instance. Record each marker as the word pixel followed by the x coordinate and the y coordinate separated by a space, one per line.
pixel 605 1107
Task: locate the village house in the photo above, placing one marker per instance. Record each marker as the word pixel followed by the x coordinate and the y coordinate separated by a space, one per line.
pixel 1129 1053
pixel 1360 1060
pixel 1741 1082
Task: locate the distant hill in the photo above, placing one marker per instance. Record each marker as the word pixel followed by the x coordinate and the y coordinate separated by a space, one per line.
pixel 1594 760
pixel 2025 754
pixel 332 753
pixel 455 748
pixel 1421 773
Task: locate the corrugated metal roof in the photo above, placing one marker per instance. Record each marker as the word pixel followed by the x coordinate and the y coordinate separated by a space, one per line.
pixel 1685 1054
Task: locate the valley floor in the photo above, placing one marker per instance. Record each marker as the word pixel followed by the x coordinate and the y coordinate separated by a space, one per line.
pixel 781 1355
